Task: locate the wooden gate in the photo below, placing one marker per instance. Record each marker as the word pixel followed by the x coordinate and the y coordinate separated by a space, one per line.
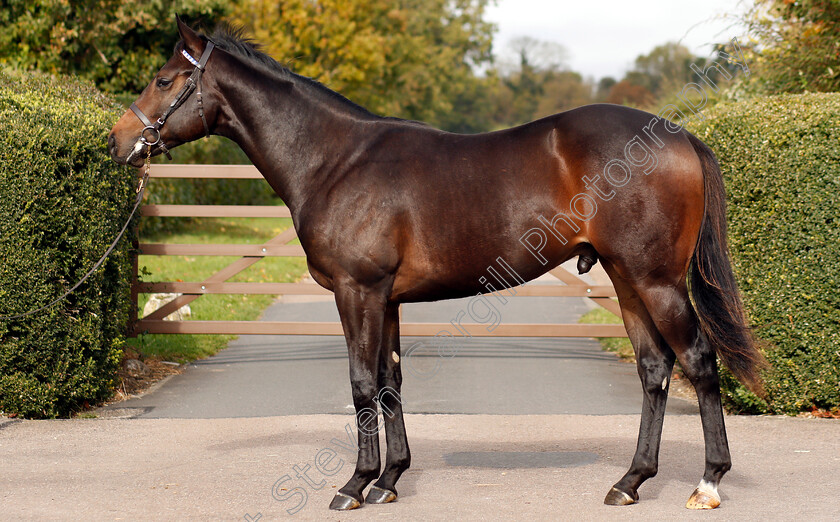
pixel 570 285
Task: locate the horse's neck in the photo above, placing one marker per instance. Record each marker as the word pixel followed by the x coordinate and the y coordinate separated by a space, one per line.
pixel 291 133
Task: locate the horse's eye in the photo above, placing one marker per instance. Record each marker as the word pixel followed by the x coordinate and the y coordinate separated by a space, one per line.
pixel 163 83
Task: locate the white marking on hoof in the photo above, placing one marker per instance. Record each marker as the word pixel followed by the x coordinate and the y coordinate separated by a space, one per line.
pixel 396 357
pixel 664 383
pixel 704 497
pixel 709 489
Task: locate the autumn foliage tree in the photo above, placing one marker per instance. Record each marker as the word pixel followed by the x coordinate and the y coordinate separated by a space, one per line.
pixel 798 44
pixel 410 58
pixel 534 82
pixel 629 92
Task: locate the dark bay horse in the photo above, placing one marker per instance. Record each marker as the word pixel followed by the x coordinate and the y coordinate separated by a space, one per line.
pixel 391 211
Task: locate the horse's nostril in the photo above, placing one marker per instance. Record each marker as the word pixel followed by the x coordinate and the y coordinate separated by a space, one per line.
pixel 112 144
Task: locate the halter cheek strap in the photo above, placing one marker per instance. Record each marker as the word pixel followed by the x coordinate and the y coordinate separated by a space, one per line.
pixel 150 135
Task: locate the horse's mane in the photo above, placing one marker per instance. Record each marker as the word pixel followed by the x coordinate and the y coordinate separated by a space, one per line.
pixel 231 38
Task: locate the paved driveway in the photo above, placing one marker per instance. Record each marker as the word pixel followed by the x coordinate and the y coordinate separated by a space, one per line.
pixel 465 467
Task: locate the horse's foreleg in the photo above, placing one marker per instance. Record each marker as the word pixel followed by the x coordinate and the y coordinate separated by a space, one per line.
pixel 362 314
pixel 655 361
pixel 398 457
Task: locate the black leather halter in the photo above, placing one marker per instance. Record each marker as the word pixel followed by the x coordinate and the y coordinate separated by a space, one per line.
pixel 193 82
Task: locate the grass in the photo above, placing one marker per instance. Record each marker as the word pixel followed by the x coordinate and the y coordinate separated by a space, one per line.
pixel 184 348
pixel 619 345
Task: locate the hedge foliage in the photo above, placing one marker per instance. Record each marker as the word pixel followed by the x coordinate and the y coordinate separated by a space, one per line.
pixel 780 158
pixel 62 202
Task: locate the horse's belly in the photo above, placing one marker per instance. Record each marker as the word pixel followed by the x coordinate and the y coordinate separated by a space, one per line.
pixel 469 272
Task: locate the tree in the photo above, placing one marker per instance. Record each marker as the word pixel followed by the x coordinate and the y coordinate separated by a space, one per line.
pixel 533 82
pixel 658 77
pixel 116 44
pixel 666 68
pixel 539 55
pixel 798 44
pixel 605 84
pixel 407 58
pixel 526 88
pixel 626 92
pixel 562 91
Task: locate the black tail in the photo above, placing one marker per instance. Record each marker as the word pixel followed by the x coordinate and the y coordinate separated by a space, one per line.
pixel 713 287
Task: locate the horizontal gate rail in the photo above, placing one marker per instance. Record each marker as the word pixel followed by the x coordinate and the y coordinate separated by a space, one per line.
pixel 215 211
pixel 171 249
pixel 205 171
pixel 234 288
pixel 570 284
pixel 406 329
pixel 313 289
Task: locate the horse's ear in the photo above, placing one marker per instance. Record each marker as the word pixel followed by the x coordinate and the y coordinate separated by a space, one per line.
pixel 191 39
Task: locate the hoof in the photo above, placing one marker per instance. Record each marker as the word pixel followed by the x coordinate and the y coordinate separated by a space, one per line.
pixel 378 495
pixel 701 499
pixel 342 502
pixel 617 497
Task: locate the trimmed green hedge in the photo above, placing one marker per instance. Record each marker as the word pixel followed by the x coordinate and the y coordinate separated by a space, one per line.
pixel 62 202
pixel 780 158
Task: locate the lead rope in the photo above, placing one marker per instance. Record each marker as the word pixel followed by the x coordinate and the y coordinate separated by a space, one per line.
pixel 140 188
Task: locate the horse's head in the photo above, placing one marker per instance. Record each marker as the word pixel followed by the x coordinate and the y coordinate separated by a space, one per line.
pixel 172 109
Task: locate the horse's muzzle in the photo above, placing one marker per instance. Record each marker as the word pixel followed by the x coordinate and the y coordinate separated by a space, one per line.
pixel 112 147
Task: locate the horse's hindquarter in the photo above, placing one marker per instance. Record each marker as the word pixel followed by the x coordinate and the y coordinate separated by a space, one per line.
pixel 650 222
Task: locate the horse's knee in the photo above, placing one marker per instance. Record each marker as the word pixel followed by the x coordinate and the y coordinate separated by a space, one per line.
pixel 656 386
pixel 364 390
pixel 723 466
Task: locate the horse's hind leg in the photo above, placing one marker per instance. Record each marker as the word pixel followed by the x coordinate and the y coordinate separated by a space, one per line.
pixel 674 316
pixel 654 360
pixel 398 457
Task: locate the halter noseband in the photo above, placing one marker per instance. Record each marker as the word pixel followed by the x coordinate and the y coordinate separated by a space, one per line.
pixel 192 82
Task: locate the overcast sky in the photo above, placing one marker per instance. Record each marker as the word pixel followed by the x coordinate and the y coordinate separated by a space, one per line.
pixel 603 38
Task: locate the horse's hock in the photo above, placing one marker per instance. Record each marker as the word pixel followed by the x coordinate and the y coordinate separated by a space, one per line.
pixel 170 313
